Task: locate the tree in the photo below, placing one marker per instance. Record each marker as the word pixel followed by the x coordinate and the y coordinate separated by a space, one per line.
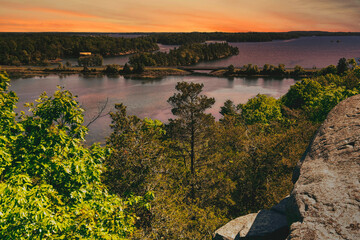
pixel 229 108
pixel 261 109
pixel 136 152
pixel 230 69
pixel 352 63
pixel 51 184
pixel 112 69
pixel 126 69
pixel 342 66
pixel 298 71
pixel 90 61
pixel 192 123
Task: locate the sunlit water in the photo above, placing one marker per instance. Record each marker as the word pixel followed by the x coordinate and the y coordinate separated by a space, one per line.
pixel 142 98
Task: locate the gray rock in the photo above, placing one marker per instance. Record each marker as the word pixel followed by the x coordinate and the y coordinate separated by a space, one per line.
pixel 266 224
pixel 325 201
pixel 240 225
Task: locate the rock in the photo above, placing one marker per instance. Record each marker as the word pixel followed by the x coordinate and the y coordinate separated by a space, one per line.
pixel 266 224
pixel 240 225
pixel 325 201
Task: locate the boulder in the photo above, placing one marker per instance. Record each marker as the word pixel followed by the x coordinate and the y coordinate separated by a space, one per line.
pixel 325 201
pixel 266 224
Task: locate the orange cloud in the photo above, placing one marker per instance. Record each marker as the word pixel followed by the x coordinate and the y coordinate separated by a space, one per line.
pixel 24 25
pixel 177 16
pixel 60 12
pixel 22 7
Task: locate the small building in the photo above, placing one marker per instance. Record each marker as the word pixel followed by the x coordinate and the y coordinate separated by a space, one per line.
pixel 85 53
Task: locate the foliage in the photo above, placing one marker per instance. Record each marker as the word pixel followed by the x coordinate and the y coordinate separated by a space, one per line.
pixel 136 152
pixel 196 37
pixel 38 48
pixel 298 71
pixel 112 69
pixel 50 183
pixel 229 109
pixel 185 55
pixel 192 121
pixel 90 61
pixel 319 95
pixel 126 69
pixel 342 66
pixel 230 69
pixel 261 109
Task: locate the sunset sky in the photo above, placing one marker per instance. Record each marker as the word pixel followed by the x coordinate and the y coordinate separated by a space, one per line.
pixel 178 15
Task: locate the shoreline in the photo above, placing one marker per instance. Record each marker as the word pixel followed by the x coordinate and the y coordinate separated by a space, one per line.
pixel 149 73
pixel 34 71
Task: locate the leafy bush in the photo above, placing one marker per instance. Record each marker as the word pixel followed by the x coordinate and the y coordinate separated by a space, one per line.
pixel 261 109
pixel 50 183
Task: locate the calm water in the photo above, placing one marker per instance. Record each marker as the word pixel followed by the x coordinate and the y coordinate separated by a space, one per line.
pixel 306 52
pixel 143 98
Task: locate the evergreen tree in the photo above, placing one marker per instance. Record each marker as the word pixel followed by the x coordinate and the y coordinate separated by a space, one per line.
pixel 342 66
pixel 192 123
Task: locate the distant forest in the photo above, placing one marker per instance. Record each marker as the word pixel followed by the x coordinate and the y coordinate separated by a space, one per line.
pixel 187 54
pixel 41 48
pixel 38 49
pixel 197 37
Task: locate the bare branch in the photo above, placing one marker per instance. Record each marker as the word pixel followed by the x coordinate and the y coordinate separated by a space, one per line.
pixel 100 113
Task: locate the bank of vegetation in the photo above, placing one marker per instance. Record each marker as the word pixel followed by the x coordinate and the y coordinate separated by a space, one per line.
pixel 342 66
pixel 198 37
pixel 43 48
pixel 188 54
pixel 154 180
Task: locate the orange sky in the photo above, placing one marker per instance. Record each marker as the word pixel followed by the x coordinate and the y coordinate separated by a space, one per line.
pixel 178 15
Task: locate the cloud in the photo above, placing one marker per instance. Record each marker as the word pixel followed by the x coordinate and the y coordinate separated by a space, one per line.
pixel 184 15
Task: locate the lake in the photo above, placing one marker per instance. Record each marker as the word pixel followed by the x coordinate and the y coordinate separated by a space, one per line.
pixel 307 52
pixel 144 98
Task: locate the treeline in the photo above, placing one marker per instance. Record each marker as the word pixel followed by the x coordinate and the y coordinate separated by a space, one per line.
pixel 187 54
pixel 197 37
pixel 195 172
pixel 298 71
pixel 38 49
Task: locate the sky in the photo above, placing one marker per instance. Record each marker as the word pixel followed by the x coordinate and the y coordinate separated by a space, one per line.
pixel 179 15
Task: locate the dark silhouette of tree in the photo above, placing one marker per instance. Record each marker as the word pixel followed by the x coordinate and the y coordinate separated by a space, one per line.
pixel 229 108
pixel 126 69
pixel 342 66
pixel 192 123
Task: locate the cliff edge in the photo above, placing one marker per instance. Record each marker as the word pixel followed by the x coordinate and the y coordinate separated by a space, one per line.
pixel 325 200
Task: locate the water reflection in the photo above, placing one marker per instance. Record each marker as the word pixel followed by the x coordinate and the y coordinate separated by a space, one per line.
pixel 144 98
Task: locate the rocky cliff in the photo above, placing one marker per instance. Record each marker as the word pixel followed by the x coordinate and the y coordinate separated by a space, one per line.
pixel 325 201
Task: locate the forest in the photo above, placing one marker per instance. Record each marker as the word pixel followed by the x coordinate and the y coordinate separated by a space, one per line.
pixel 187 54
pixel 39 49
pixel 176 180
pixel 44 48
pixel 199 37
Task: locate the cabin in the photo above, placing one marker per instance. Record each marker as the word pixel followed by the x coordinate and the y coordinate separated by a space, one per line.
pixel 85 53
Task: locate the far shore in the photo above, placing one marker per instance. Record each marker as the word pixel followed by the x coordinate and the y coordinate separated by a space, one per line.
pixel 149 73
